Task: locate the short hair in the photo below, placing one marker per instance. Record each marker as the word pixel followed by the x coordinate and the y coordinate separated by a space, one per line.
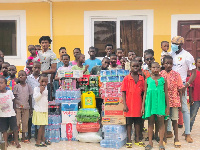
pixel 37 46
pixel 105 58
pixel 43 75
pixel 137 57
pixel 113 55
pixel 78 56
pixel 13 66
pixel 61 48
pixel 22 71
pixel 164 42
pixel 132 61
pixel 36 62
pixel 2 77
pixel 92 47
pixel 43 38
pixel 66 55
pixel 31 46
pixel 155 63
pixel 131 51
pixel 77 49
pixel 119 49
pixel 7 63
pixel 149 51
pixel 197 58
pixel 167 57
pixel 2 59
pixel 109 45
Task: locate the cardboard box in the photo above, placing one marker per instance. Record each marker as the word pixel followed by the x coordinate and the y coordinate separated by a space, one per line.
pixel 69 112
pixel 68 132
pixel 113 120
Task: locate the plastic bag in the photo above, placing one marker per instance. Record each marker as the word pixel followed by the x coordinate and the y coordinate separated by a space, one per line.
pixel 88 115
pixel 91 137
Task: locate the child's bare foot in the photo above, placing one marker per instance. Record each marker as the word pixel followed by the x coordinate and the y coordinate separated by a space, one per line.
pixel 18 145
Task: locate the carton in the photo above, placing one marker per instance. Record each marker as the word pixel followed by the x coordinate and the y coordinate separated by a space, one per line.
pixel 113 120
pixel 68 132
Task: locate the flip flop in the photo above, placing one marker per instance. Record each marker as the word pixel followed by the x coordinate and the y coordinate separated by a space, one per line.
pixel 177 144
pixel 47 142
pixel 161 148
pixel 148 147
pixel 25 141
pixel 129 145
pixel 140 144
pixel 40 145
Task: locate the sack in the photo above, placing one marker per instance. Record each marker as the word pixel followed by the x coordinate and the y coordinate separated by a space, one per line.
pixel 88 115
pixel 92 137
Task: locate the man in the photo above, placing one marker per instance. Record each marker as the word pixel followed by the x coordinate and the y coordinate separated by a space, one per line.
pixel 108 50
pixel 183 62
pixel 48 60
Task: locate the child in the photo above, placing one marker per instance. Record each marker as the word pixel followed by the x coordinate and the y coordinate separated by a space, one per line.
pixel 33 81
pixel 165 48
pixel 1 63
pixel 32 58
pixel 175 85
pixel 148 51
pixel 97 69
pixel 113 63
pixel 194 95
pixel 1 54
pixel 148 60
pixel 155 104
pixel 92 61
pixel 76 51
pixel 4 70
pixel 108 50
pixel 123 61
pixel 62 51
pixel 80 58
pixel 131 56
pixel 7 113
pixel 40 112
pixel 132 88
pixel 12 80
pixel 119 53
pixel 23 103
pixel 38 47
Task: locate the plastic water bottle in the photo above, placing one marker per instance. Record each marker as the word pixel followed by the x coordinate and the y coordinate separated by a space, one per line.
pixel 112 143
pixel 115 136
pixel 114 128
pixel 57 135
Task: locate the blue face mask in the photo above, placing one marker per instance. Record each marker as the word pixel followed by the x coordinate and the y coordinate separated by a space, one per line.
pixel 174 47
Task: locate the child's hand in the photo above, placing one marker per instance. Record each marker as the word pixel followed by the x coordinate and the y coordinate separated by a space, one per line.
pixel 180 108
pixel 191 100
pixel 167 111
pixel 125 109
pixel 42 88
pixel 142 110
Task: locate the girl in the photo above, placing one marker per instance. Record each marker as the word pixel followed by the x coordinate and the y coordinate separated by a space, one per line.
pixel 80 60
pixel 155 104
pixel 40 113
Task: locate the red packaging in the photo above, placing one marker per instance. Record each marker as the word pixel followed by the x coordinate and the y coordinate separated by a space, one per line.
pixel 88 127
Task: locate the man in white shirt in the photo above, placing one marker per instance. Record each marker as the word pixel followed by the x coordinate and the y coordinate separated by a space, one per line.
pixel 183 62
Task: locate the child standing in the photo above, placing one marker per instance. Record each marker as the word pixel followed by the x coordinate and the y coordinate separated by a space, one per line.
pixel 148 60
pixel 40 113
pixel 131 56
pixel 175 85
pixel 113 63
pixel 23 103
pixel 76 51
pixel 108 50
pixel 155 104
pixel 12 80
pixel 7 113
pixel 165 48
pixel 132 88
pixel 80 60
pixel 123 61
pixel 119 53
pixel 4 70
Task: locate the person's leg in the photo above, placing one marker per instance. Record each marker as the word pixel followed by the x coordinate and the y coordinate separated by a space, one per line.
pixel 161 129
pixel 137 131
pixel 14 128
pixel 43 134
pixel 193 112
pixel 129 128
pixel 156 130
pixel 39 137
pixel 18 116
pixel 180 120
pixel 165 134
pixel 169 129
pixel 16 139
pixel 29 128
pixel 151 122
pixel 36 132
pixel 25 118
pixel 175 127
pixel 5 137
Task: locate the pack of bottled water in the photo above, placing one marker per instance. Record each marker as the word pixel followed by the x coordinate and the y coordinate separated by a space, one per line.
pixel 63 95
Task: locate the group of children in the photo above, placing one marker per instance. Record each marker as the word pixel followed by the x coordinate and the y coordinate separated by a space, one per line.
pixel 147 92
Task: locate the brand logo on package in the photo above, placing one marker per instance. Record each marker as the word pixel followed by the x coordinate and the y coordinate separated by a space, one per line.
pixel 88 101
pixel 111 101
pixel 106 119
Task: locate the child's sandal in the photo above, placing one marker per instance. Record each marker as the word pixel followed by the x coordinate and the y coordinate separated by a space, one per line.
pixel 129 145
pixel 177 144
pixel 47 142
pixel 140 144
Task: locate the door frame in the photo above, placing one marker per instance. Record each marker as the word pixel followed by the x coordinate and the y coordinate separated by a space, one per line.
pixel 89 15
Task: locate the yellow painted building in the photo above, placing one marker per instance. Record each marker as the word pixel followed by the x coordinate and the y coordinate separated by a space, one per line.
pixel 72 22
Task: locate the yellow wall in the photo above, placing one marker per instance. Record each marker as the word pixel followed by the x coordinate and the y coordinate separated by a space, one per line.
pixel 68 19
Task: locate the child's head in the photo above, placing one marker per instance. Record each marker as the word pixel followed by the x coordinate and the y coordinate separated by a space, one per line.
pixel 109 49
pixel 32 49
pixel 76 51
pixel 113 59
pixel 36 68
pixel 62 51
pixel 198 63
pixel 65 59
pixel 148 51
pixel 45 42
pixel 149 59
pixel 139 59
pixel 1 62
pixel 3 83
pixel 168 63
pixel 165 46
pixel 38 47
pixel 119 53
pixel 123 61
pixel 1 54
pixel 12 70
pixel 92 52
pixel 22 76
pixel 105 62
pixel 43 80
pixel 134 66
pixel 155 68
pixel 80 58
pixel 4 68
pixel 131 55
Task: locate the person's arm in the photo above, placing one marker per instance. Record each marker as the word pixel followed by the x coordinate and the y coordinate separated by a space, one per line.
pixel 191 100
pixel 125 109
pixel 166 98
pixel 144 97
pixel 52 70
pixel 56 77
pixel 30 104
pixel 180 93
pixel 86 70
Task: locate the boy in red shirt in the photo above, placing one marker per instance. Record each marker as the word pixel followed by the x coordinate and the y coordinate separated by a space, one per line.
pixel 132 88
pixel 194 95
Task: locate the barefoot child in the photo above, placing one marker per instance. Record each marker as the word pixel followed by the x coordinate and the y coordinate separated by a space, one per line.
pixel 80 60
pixel 175 85
pixel 23 103
pixel 7 113
pixel 132 88
pixel 155 104
pixel 40 113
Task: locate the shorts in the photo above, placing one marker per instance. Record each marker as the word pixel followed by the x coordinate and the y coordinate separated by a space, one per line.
pixel 131 120
pixel 6 122
pixel 173 113
pixel 23 116
pixel 40 118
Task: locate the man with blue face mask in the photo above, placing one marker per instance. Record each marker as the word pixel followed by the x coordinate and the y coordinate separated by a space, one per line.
pixel 183 62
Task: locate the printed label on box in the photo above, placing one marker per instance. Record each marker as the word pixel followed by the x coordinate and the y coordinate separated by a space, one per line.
pixel 68 131
pixel 69 117
pixel 113 120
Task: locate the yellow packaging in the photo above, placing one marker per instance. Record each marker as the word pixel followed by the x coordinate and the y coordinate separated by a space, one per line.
pixel 88 100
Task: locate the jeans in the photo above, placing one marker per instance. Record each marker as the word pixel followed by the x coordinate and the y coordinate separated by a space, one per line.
pixel 193 112
pixel 186 115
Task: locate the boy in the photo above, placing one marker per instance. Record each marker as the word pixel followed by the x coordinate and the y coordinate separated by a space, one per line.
pixel 113 63
pixel 132 88
pixel 119 53
pixel 33 81
pixel 1 62
pixel 175 95
pixel 4 70
pixel 139 59
pixel 80 60
pixel 76 51
pixel 92 61
pixel 131 56
pixel 194 95
pixel 108 50
pixel 148 60
pixel 12 80
pixel 97 69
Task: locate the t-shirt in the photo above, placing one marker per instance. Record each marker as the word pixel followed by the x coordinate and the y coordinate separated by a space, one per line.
pixel 41 100
pixel 74 62
pixel 67 69
pixel 47 58
pixel 22 95
pixel 133 95
pixel 33 82
pixel 92 63
pixel 11 83
pixel 118 62
pixel 116 68
pixel 78 68
pixel 196 87
pixel 183 62
pixel 6 104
